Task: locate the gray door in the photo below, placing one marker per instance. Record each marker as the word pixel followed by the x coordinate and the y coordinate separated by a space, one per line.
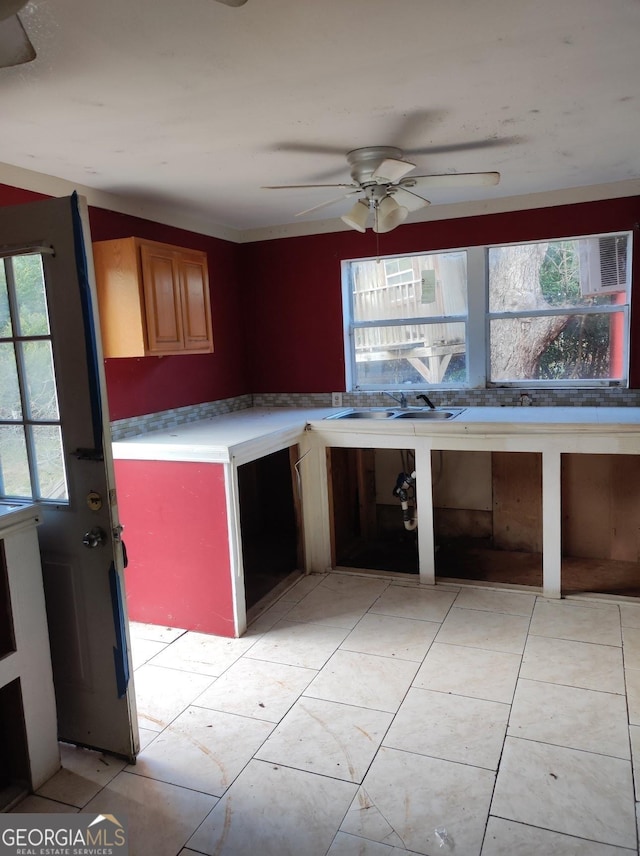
pixel 55 449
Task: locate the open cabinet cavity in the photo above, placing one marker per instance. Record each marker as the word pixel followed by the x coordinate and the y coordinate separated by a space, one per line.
pixel 270 523
pixel 15 776
pixel 368 527
pixel 600 524
pixel 487 513
pixel 488 516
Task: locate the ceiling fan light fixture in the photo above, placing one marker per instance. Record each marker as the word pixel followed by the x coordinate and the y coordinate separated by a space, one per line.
pixel 389 215
pixel 357 217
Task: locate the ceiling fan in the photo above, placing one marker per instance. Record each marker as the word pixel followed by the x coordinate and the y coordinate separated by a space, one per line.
pixel 15 46
pixel 380 176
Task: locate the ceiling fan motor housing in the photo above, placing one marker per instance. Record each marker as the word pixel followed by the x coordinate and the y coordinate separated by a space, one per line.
pixel 364 162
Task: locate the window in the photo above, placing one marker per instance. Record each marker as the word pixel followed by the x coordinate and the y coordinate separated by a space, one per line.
pixel 408 320
pixel 544 313
pixel 31 456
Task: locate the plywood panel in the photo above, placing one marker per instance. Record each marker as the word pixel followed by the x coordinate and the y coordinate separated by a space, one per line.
pixel 586 490
pixel 462 523
pixel 344 512
pixel 461 480
pixel 601 506
pixel 517 501
pixel 366 468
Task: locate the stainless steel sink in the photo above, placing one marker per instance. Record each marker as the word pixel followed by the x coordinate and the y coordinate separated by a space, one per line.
pixel 427 414
pixel 363 414
pixel 382 413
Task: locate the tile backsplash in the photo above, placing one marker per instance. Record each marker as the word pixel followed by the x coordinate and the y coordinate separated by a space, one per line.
pixel 603 397
pixel 123 428
pixel 507 397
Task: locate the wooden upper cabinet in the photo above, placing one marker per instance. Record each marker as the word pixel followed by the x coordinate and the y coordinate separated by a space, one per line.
pixel 153 298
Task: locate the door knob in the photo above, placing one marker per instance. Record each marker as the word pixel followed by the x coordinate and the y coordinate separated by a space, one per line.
pixel 95 537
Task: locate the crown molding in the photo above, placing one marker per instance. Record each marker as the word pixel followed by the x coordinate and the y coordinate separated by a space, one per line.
pixel 171 216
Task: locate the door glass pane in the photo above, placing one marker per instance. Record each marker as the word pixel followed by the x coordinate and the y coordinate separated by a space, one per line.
pixel 10 407
pixel 5 318
pixel 40 386
pixel 27 377
pixel 47 442
pixel 33 319
pixel 14 464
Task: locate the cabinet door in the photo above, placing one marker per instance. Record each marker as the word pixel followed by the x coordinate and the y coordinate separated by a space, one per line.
pixel 196 313
pixel 161 282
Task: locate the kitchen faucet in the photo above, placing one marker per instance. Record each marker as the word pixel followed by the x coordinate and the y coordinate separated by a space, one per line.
pixel 402 401
pixel 426 400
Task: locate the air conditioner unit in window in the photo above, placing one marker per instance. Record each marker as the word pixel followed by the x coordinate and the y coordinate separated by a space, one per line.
pixel 603 264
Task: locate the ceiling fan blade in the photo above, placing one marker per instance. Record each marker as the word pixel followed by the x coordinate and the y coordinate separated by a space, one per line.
pixel 15 47
pixel 392 170
pixel 232 2
pixel 455 179
pixel 493 142
pixel 310 149
pixel 10 7
pixel 410 200
pixel 327 203
pixel 307 186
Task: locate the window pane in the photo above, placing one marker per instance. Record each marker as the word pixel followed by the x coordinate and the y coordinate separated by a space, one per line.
pixel 33 319
pixel 412 287
pixel 5 318
pixel 558 347
pixel 14 464
pixel 10 406
pixel 584 272
pixel 412 353
pixel 40 387
pixel 47 441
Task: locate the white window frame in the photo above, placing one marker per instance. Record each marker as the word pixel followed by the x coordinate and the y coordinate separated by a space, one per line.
pixel 478 321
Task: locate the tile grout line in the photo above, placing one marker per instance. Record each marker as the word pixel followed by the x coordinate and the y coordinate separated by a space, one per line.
pixel 506 730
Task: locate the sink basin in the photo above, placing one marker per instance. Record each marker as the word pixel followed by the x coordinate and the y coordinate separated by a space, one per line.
pixel 364 414
pixel 427 414
pixel 383 413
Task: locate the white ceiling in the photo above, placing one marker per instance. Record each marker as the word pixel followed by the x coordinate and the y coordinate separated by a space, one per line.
pixel 189 107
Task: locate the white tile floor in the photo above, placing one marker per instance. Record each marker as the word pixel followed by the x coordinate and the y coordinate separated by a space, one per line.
pixel 358 716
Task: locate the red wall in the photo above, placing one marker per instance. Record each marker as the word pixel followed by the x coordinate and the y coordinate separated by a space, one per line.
pixel 294 289
pixel 277 305
pixel 145 385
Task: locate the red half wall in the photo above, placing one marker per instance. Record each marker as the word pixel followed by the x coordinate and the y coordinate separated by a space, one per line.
pixel 179 572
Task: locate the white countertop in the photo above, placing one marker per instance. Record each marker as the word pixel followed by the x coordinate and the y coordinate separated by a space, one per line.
pixel 237 436
pixel 520 419
pixel 248 434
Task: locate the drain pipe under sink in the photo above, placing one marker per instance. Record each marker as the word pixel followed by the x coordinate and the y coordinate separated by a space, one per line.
pixel 401 490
